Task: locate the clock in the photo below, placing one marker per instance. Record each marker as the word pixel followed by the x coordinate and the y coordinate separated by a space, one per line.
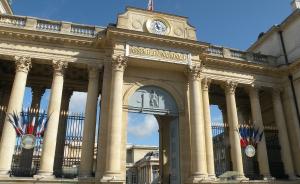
pixel 158 26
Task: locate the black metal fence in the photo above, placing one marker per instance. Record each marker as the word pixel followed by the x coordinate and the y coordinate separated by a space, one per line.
pixel 26 162
pixel 222 157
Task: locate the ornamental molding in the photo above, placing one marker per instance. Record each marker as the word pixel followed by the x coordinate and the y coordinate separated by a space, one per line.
pixel 56 38
pixel 11 47
pixel 254 68
pixel 194 71
pixel 59 67
pixel 94 71
pixel 119 63
pixel 206 83
pixel 230 87
pixel 23 63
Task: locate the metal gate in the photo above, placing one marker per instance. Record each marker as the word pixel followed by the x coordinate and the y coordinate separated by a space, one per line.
pixel 221 148
pixel 26 163
pixel 222 158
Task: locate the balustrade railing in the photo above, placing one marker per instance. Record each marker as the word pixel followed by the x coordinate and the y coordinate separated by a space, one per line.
pixel 48 26
pixel 13 20
pixel 214 50
pixel 83 30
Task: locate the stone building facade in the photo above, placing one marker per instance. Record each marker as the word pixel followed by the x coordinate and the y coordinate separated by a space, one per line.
pixel 150 62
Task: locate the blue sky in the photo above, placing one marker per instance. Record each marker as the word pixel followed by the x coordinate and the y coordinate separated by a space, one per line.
pixel 230 23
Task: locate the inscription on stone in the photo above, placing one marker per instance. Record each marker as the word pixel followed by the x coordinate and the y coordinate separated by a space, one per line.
pixel 158 54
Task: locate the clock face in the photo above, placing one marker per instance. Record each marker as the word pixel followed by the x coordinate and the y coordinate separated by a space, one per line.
pixel 158 26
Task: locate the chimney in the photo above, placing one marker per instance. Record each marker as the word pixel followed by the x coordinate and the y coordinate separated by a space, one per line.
pixel 295 4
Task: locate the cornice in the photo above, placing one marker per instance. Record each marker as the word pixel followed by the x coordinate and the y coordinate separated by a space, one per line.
pixel 48 37
pixel 113 32
pixel 244 66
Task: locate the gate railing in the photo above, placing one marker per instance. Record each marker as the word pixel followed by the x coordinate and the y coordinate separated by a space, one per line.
pixel 222 158
pixel 26 163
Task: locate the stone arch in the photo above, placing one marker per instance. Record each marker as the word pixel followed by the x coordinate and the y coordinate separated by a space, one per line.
pixel 168 88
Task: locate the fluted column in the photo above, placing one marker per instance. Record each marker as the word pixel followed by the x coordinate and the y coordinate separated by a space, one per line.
pixel 283 135
pixel 87 154
pixel 198 156
pixel 262 154
pixel 236 152
pixel 8 140
pixel 208 131
pixel 114 131
pixel 49 144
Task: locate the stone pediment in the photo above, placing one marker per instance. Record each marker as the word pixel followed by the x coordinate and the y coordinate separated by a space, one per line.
pixel 145 21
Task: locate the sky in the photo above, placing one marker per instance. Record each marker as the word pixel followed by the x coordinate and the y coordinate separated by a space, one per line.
pixel 229 23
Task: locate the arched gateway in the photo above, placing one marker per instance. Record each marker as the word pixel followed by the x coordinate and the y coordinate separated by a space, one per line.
pixel 156 101
pixel 148 62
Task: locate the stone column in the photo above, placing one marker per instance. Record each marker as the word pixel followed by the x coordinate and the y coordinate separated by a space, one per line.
pixel 50 137
pixel 208 130
pixel 8 140
pixel 61 134
pixel 236 152
pixel 104 114
pixel 198 156
pixel 114 131
pixel 282 134
pixel 87 153
pixel 262 154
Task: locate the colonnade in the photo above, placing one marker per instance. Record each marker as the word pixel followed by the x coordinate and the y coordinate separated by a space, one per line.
pixel 202 156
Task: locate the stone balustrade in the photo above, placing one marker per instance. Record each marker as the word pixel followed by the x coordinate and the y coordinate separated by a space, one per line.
pixel 218 51
pixel 49 25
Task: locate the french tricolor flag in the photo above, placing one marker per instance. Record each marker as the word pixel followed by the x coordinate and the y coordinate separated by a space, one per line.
pixel 150 5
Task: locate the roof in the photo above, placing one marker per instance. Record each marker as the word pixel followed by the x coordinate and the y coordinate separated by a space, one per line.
pixel 275 28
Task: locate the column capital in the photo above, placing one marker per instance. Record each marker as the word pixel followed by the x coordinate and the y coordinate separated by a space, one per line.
pixel 93 71
pixel 253 89
pixel 276 91
pixel 230 86
pixel 23 63
pixel 59 66
pixel 194 71
pixel 206 83
pixel 119 63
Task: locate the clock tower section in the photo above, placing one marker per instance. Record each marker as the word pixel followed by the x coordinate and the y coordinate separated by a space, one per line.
pixel 153 22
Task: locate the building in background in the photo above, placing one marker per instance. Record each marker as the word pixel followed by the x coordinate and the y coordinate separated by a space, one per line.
pixel 142 164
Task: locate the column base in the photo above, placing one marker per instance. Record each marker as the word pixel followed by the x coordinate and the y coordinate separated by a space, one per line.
pixel 212 177
pixel 43 175
pixel 4 174
pixel 112 177
pixel 241 178
pixel 198 178
pixel 269 178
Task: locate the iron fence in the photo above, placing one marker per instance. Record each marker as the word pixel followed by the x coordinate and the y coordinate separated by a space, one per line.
pixel 26 162
pixel 222 157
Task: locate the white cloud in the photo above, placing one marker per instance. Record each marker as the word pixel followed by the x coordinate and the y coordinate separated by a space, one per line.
pixel 77 102
pixel 142 128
